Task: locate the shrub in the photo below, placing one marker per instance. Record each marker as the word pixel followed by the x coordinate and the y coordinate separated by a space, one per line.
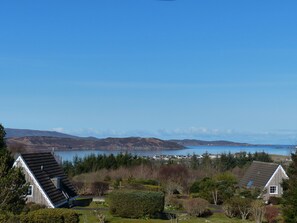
pixel 275 200
pixel 50 216
pixel 135 204
pixel 271 214
pixel 99 188
pixel 238 207
pixel 146 182
pixel 197 207
pixel 8 217
pixel 172 202
pixel 258 210
pixel 31 206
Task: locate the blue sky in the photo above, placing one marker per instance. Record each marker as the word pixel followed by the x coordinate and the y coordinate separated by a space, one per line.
pixel 201 69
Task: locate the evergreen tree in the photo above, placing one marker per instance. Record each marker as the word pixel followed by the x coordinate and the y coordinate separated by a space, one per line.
pixel 290 192
pixel 12 181
pixel 2 135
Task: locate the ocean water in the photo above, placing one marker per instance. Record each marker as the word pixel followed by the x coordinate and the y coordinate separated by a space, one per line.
pixel 190 150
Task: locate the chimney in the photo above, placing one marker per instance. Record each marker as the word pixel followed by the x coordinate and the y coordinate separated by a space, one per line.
pixel 57 182
pixel 41 168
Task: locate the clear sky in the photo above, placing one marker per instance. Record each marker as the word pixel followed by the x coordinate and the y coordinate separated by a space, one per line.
pixel 204 69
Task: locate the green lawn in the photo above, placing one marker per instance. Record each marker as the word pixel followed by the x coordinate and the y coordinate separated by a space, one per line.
pixel 88 216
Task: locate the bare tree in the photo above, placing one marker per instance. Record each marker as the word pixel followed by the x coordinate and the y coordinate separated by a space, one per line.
pixel 258 210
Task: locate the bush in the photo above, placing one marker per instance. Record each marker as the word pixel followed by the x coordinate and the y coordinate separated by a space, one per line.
pixel 31 206
pixel 8 217
pixel 50 216
pixel 146 182
pixel 197 207
pixel 238 207
pixel 172 202
pixel 275 200
pixel 271 214
pixel 99 188
pixel 135 204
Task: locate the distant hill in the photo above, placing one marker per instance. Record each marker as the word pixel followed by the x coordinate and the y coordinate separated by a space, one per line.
pixel 36 140
pixel 16 133
pixel 194 142
pixel 59 143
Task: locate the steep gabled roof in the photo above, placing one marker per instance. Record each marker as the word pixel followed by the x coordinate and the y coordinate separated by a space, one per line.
pixel 44 168
pixel 258 174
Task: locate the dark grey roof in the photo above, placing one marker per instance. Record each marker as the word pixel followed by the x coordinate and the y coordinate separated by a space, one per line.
pixel 44 167
pixel 258 174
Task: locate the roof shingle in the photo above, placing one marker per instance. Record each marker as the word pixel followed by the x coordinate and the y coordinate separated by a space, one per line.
pixel 258 174
pixel 44 167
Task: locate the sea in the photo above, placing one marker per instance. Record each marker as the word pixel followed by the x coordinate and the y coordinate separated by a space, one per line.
pixel 190 150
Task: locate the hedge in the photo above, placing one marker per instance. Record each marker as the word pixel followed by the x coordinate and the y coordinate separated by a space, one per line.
pixel 51 216
pixel 135 204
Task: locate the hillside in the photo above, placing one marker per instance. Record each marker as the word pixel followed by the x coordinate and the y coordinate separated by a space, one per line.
pixel 194 142
pixel 12 133
pixel 127 144
pixel 36 140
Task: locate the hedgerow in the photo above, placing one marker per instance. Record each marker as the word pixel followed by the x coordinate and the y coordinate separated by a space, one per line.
pixel 51 216
pixel 136 204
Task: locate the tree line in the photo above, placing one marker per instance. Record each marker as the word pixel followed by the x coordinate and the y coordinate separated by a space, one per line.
pixel 93 163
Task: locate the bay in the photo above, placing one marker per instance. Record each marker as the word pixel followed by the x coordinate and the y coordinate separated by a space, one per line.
pixel 190 150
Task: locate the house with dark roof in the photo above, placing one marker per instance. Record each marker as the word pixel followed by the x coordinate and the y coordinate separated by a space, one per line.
pixel 48 183
pixel 266 176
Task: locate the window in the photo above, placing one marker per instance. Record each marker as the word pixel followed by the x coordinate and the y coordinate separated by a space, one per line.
pixel 273 189
pixel 30 191
pixel 250 184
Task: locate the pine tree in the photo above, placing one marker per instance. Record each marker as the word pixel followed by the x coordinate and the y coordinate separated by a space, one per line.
pixel 290 192
pixel 12 180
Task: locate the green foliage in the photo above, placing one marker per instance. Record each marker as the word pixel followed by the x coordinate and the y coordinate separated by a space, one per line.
pixel 135 204
pixel 217 189
pixel 93 163
pixel 50 216
pixel 172 202
pixel 145 182
pixel 12 181
pixel 251 193
pixel 2 136
pixel 228 161
pixel 7 217
pixel 194 162
pixel 290 192
pixel 33 207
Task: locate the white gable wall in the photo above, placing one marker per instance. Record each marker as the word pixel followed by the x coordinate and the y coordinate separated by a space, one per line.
pixel 275 180
pixel 39 196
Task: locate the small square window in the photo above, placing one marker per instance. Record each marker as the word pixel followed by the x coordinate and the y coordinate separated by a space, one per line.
pixel 273 189
pixel 30 191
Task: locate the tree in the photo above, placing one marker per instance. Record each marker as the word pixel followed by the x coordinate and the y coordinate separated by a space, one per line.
pixel 217 189
pixel 12 181
pixel 290 192
pixel 238 206
pixel 258 210
pixel 2 135
pixel 194 162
